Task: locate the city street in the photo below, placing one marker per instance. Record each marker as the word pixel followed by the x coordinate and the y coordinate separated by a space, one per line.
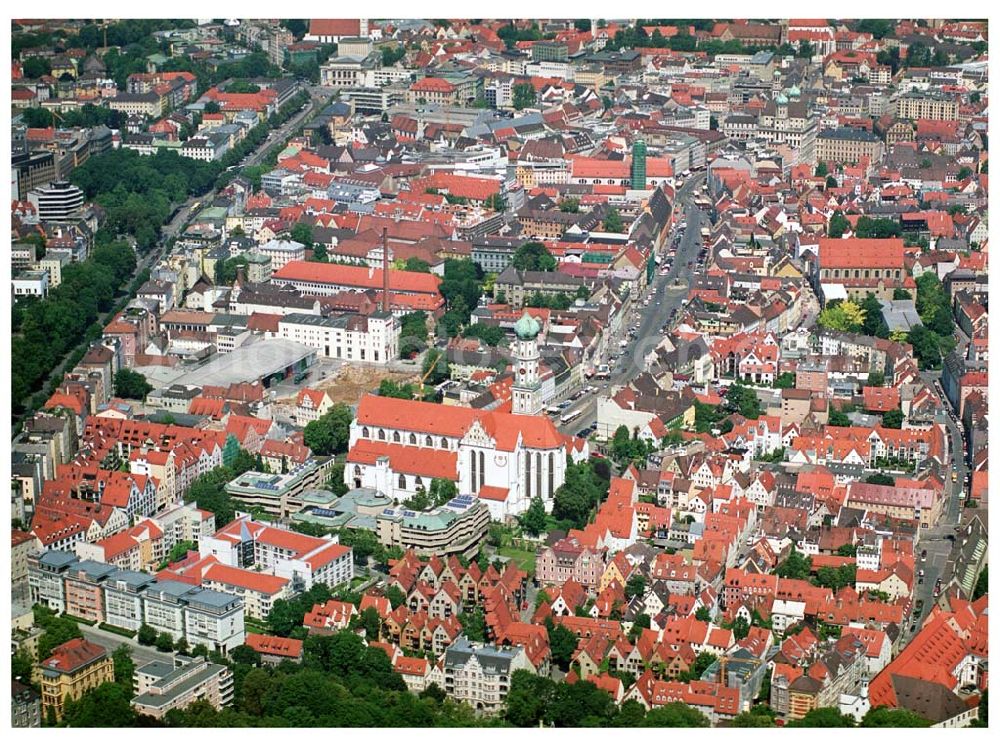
pixel 935 540
pixel 141 655
pixel 174 227
pixel 667 297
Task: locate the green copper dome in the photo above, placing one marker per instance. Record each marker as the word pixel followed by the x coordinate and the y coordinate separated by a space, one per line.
pixel 781 99
pixel 794 92
pixel 527 328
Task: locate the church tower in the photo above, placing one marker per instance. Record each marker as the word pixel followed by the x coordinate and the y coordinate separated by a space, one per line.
pixel 525 394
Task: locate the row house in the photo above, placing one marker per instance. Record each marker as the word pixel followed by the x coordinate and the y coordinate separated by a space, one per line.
pixel 128 599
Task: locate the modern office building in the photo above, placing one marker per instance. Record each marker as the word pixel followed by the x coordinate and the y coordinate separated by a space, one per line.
pixel 57 202
pixel 161 687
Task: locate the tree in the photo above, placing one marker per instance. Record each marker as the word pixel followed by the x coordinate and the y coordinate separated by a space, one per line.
pixel 36 67
pixel 245 655
pixel 899 718
pixel 982 583
pixel 674 715
pixel 569 205
pixel 823 717
pixel 880 478
pixel 124 667
pixel 785 381
pixel 533 520
pixel 796 565
pixel 821 169
pixel 524 95
pixel 839 225
pixel 392 54
pixel 741 628
pixel 147 635
pixel 329 434
pixel 562 643
pixel 442 491
pixel 743 400
pixel 613 222
pixel 489 334
pixel 435 693
pixel 528 698
pixel 462 285
pixel 845 316
pixel 58 630
pixel 635 586
pixel 473 622
pixel 533 256
pixel 703 614
pixel 369 620
pixel 582 490
pixel 303 234
pixel 876 379
pixel 751 720
pixel 415 264
pixel 701 662
pixel 926 346
pixel 874 323
pixel 838 417
pixel 21 665
pixel 412 333
pixel 164 642
pixel 893 419
pixel 496 202
pixel 877 228
pixel 389 388
pixel 106 706
pixel 435 366
pixel 395 596
pixel 131 384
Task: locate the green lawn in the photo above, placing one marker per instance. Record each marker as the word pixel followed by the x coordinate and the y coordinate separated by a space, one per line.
pixel 524 558
pixel 255 626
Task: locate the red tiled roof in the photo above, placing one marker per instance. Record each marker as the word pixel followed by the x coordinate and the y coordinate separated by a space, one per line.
pixel 261 583
pixel 443 420
pixel 334 27
pixel 74 655
pixel 861 253
pixel 409 460
pixel 361 277
pixel 274 645
pixel 433 85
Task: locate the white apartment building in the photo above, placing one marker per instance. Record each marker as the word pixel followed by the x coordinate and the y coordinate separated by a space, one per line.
pixel 281 252
pixel 353 337
pixel 129 599
pixel 245 543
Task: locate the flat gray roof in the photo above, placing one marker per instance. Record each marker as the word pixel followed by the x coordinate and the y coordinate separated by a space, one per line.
pixel 247 363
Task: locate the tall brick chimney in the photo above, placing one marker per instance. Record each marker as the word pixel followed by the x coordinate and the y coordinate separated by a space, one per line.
pixel 385 271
